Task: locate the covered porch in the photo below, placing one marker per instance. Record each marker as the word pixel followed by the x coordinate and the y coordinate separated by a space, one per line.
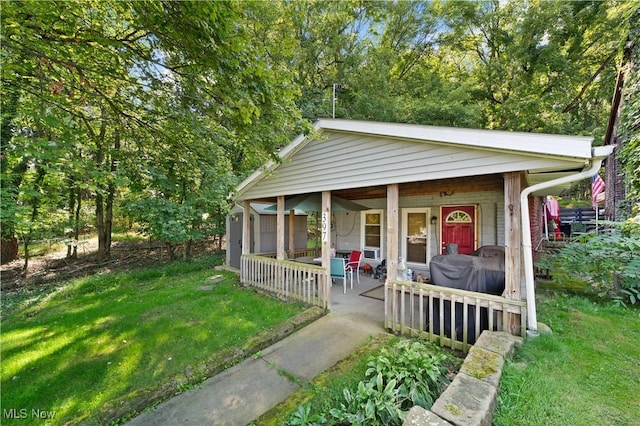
pixel 451 316
pixel 407 308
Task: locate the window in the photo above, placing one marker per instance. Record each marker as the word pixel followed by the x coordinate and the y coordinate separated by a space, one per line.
pixel 458 216
pixel 416 235
pixel 372 233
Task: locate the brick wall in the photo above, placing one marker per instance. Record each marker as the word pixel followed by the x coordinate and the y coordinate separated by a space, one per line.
pixel 536 222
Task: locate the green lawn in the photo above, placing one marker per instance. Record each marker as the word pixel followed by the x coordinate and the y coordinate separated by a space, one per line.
pixel 586 373
pixel 105 340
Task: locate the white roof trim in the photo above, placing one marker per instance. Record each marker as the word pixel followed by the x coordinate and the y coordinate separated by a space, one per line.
pixel 537 143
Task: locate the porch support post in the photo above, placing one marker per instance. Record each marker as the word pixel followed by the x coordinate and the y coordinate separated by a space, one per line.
pixel 325 231
pixel 246 227
pixel 280 229
pixel 513 236
pixel 393 200
pixel 512 243
pixel 292 234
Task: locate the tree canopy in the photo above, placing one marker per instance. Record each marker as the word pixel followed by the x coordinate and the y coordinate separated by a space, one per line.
pixel 158 107
pixel 154 110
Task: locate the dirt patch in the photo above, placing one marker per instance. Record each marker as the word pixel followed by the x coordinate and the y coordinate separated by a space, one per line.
pixel 56 267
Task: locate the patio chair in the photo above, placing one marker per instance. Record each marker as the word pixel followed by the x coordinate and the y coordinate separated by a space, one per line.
pixel 339 270
pixel 353 265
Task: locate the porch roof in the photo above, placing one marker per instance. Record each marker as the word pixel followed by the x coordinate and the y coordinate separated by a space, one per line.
pixel 344 154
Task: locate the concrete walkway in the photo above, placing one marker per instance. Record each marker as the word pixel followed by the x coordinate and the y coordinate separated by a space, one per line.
pixel 242 393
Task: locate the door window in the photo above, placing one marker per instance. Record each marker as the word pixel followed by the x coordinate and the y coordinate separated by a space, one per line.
pixel 416 231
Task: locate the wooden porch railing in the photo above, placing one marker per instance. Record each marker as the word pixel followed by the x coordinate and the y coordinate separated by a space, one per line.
pixel 296 254
pixel 286 279
pixel 426 310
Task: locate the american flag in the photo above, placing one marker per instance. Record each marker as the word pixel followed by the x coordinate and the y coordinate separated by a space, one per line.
pixel 597 187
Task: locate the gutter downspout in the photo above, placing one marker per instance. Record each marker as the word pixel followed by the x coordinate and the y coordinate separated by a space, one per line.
pixel 598 155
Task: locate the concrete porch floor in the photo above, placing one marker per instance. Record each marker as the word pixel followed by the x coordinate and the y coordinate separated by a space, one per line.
pixel 353 305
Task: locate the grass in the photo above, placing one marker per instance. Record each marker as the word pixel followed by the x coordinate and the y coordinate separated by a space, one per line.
pixel 587 372
pixel 104 340
pixel 41 248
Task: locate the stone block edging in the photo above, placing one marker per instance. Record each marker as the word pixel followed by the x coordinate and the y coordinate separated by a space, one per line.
pixel 471 398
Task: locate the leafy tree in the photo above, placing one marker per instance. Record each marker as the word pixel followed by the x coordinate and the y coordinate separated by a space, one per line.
pixel 120 84
pixel 332 40
pixel 538 66
pixel 629 127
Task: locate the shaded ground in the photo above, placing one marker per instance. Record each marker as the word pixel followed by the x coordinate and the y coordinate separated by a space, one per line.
pixel 46 272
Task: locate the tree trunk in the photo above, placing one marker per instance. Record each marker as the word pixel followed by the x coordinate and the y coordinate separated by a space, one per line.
pixel 111 191
pixel 187 249
pixel 103 208
pixel 108 223
pixel 72 208
pixel 26 257
pixel 9 245
pixel 100 226
pixel 8 249
pixel 170 251
pixel 35 203
pixel 9 240
pixel 76 228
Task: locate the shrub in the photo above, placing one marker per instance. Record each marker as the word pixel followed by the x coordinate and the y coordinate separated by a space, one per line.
pixel 415 368
pixel 372 403
pixel 409 373
pixel 609 261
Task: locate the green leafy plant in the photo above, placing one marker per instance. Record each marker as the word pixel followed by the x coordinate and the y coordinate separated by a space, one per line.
pixel 303 417
pixel 372 403
pixel 399 376
pixel 416 370
pixel 609 261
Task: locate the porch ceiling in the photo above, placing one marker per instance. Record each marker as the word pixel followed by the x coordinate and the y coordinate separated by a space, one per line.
pixel 411 189
pixel 458 185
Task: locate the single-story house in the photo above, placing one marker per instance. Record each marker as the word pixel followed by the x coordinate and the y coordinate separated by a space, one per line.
pixel 422 188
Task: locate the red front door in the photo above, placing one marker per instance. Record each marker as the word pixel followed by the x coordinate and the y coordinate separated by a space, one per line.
pixel 458 227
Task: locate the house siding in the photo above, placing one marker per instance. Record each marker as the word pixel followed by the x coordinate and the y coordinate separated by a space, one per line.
pixel 346 160
pixel 346 231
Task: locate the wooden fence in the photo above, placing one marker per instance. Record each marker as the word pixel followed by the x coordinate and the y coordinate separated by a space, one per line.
pixel 451 316
pixel 286 279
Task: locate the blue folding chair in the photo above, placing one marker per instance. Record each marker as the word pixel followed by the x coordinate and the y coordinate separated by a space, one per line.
pixel 339 271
